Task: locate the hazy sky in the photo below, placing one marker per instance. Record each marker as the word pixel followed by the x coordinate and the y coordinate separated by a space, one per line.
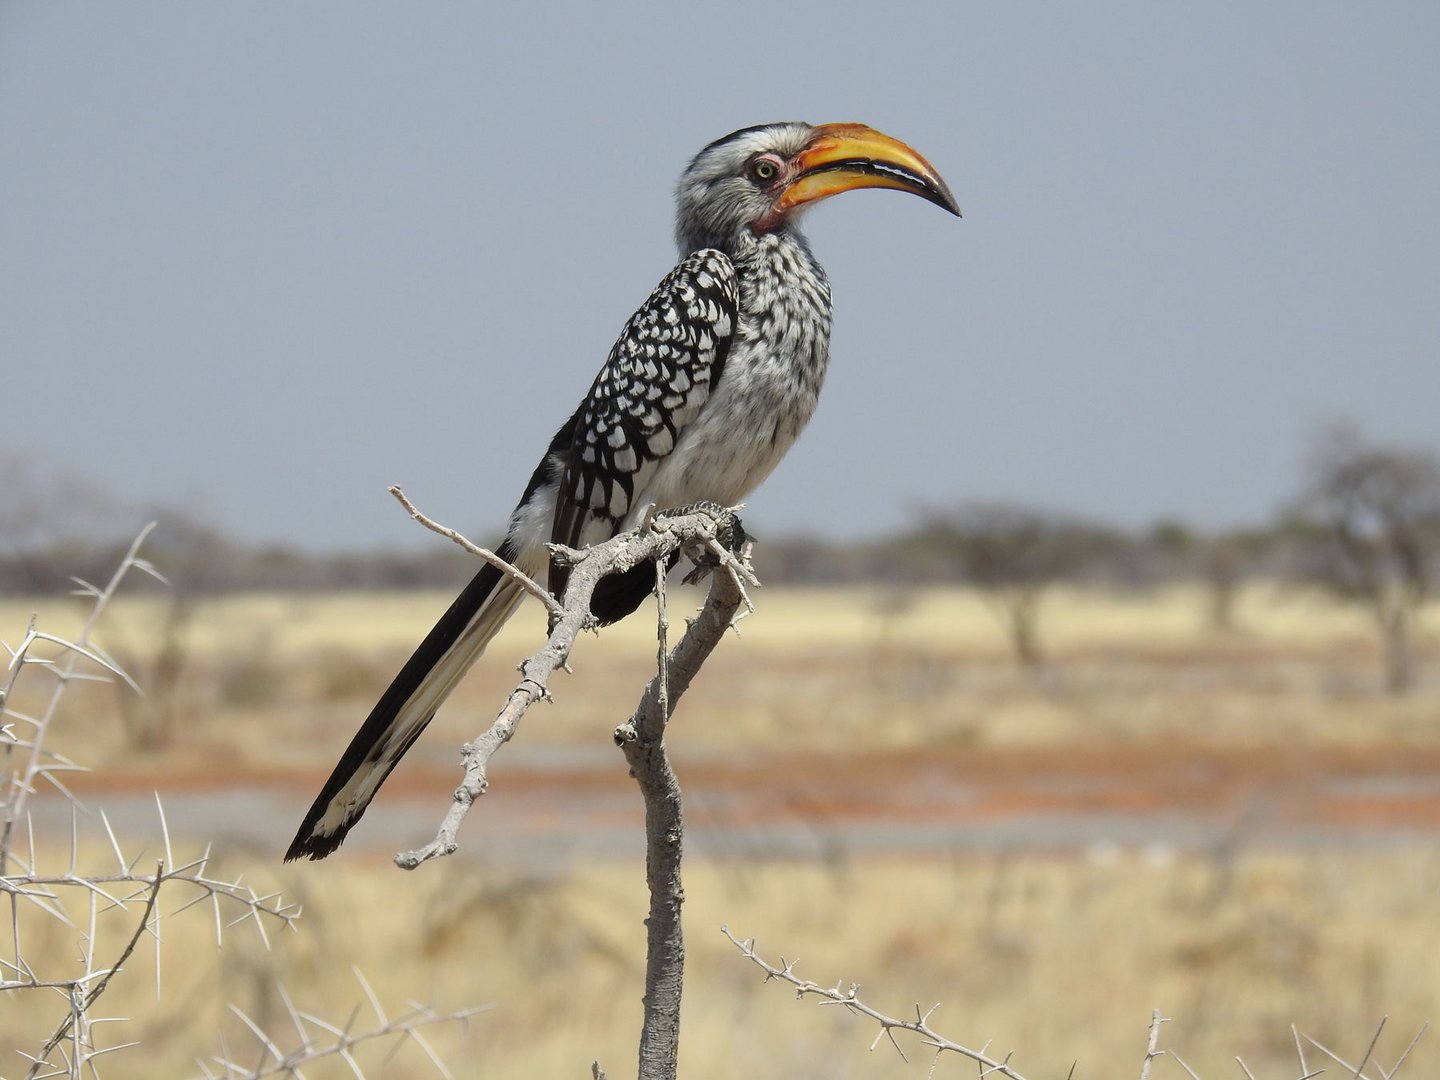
pixel 264 259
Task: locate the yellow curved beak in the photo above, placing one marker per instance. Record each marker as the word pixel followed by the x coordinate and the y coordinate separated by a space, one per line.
pixel 843 157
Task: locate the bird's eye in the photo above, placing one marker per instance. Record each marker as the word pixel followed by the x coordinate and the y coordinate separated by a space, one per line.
pixel 763 170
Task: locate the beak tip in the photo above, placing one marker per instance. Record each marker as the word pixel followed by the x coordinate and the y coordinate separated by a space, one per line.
pixel 943 199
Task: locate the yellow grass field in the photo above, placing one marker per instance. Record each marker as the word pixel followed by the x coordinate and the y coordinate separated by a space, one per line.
pixel 1237 828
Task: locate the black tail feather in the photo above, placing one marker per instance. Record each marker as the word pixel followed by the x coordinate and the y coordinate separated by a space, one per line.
pixel 308 844
pixel 615 597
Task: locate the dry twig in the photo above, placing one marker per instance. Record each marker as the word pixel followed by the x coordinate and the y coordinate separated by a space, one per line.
pixel 533 587
pixel 333 1040
pixel 693 528
pixel 1357 1072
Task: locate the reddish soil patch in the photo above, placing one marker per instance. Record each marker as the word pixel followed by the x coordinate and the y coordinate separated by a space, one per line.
pixel 1375 787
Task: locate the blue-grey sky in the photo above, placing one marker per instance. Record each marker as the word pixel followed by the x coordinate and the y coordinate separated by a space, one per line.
pixel 264 258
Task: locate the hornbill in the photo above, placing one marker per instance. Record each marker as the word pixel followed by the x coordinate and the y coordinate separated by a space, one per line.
pixel 706 389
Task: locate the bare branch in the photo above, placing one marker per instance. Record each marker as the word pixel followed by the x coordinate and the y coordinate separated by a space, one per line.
pixel 1151 1051
pixel 691 529
pixel 642 738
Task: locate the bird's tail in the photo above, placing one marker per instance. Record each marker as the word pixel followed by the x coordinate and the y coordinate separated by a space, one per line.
pixel 402 712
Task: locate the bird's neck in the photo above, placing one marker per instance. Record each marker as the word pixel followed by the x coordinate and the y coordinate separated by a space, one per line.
pixel 772 260
pixel 742 244
pixel 778 274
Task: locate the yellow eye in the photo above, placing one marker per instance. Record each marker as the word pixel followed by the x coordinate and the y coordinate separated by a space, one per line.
pixel 764 170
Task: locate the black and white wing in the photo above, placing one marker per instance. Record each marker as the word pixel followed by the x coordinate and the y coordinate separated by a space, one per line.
pixel 657 378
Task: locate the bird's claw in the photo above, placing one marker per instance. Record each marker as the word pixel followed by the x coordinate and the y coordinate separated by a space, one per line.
pixel 730 536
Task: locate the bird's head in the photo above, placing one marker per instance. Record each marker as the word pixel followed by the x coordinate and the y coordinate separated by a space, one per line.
pixel 757 179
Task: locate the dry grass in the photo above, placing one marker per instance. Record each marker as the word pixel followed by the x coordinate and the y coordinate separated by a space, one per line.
pixel 1060 955
pixel 1061 958
pixel 830 669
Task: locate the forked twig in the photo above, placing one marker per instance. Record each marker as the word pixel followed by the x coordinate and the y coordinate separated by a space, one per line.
pixel 674 531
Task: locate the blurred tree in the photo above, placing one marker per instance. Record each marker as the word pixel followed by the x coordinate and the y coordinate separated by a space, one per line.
pixel 1367 529
pixel 1221 561
pixel 1012 554
pixel 1227 559
pixel 191 555
pixel 1172 538
pixel 54 524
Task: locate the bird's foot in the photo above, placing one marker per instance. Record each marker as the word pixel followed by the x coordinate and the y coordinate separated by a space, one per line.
pixel 730 546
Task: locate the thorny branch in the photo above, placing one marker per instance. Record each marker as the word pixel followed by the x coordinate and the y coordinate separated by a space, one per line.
pixel 339 1042
pixel 81 1002
pixel 1358 1071
pixel 27 889
pixel 119 891
pixel 39 762
pixel 848 998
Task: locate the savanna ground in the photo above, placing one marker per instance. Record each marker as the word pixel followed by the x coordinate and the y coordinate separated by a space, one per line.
pixel 1237 828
